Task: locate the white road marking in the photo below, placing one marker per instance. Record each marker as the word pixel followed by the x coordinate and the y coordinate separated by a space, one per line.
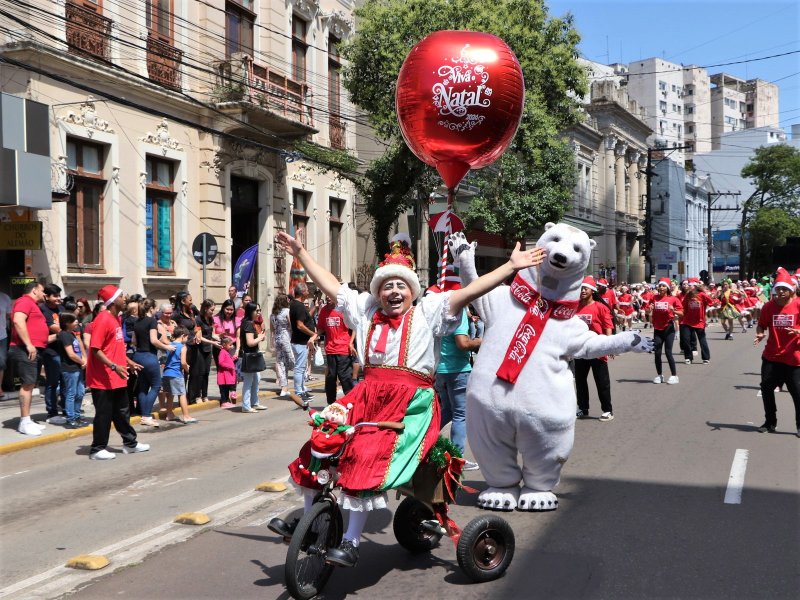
pixel 733 495
pixel 17 473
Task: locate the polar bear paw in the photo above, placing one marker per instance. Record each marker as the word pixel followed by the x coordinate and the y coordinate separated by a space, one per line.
pixel 502 499
pixel 640 343
pixel 457 244
pixel 533 501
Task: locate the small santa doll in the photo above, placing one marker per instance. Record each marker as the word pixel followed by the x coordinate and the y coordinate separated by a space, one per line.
pixel 330 432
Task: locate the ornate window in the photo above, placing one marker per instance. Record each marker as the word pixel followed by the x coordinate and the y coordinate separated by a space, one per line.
pixel 240 21
pixel 159 214
pixel 337 129
pixel 337 208
pixel 299 48
pixel 85 206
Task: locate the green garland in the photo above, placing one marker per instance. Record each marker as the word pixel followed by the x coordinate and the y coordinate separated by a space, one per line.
pixel 436 457
pixel 328 158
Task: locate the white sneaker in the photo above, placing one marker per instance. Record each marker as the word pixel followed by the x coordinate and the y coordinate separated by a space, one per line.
pixel 607 416
pixel 688 361
pixel 672 380
pixel 471 466
pixel 29 428
pixel 102 455
pixel 139 447
pixel 658 379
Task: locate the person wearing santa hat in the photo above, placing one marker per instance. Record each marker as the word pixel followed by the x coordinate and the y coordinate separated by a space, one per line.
pixel 693 321
pixel 665 309
pixel 780 361
pixel 608 295
pixel 107 376
pixel 396 346
pixel 593 311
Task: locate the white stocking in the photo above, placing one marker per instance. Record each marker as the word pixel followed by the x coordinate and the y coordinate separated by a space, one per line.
pixel 308 499
pixel 355 525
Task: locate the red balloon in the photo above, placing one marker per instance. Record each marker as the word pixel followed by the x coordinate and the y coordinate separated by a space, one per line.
pixel 459 101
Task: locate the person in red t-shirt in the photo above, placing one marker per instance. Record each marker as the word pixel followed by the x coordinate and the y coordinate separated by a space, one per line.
pixel 597 316
pixel 339 350
pixel 664 308
pixel 780 361
pixel 107 376
pixel 646 295
pixel 608 295
pixel 29 333
pixel 693 322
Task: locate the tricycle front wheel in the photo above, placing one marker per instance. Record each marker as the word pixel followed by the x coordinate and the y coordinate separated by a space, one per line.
pixel 486 548
pixel 306 571
pixel 415 526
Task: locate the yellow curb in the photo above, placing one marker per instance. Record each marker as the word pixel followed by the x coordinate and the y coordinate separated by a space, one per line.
pixel 271 486
pixel 88 562
pixel 192 518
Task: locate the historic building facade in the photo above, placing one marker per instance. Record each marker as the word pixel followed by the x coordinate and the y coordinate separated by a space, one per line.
pixel 176 119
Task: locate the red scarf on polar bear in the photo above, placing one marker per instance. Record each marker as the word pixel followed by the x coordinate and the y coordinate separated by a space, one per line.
pixel 530 328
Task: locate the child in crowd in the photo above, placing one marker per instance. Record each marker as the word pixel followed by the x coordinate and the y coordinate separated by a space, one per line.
pixel 73 361
pixel 172 380
pixel 226 373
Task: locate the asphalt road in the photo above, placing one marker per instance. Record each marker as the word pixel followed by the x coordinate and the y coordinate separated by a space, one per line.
pixel 642 506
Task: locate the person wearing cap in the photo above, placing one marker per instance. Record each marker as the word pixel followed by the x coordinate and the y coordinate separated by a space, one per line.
pixel 608 295
pixel 396 347
pixel 665 309
pixel 593 311
pixel 780 361
pixel 107 376
pixel 693 321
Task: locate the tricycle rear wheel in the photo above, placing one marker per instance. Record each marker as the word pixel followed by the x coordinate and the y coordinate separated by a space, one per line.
pixel 486 548
pixel 306 571
pixel 409 526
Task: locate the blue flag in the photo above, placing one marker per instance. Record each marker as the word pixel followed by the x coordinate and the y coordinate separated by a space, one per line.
pixel 244 269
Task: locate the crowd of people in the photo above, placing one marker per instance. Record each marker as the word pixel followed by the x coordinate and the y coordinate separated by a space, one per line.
pixel 168 349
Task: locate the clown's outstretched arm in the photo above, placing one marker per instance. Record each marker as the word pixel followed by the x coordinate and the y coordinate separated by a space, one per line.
pixel 520 259
pixel 325 280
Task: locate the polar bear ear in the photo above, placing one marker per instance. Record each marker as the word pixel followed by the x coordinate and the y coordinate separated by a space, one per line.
pixel 592 243
pixel 548 225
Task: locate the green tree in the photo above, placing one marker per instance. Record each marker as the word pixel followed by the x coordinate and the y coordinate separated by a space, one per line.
pixel 533 181
pixel 769 228
pixel 775 173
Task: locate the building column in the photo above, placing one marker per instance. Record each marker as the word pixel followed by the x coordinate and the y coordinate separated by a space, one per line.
pixel 633 177
pixel 619 173
pixel 608 254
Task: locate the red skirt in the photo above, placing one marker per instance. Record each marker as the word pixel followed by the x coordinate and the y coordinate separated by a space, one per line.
pixel 381 459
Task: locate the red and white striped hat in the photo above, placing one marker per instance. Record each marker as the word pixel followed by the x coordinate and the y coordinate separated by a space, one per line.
pixel 590 283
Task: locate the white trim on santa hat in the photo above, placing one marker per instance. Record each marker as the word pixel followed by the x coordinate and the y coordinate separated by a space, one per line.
pixel 394 270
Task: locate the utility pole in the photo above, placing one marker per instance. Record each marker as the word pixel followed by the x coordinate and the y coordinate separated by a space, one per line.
pixel 709 234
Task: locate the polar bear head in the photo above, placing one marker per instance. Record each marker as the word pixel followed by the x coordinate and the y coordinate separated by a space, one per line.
pixel 568 251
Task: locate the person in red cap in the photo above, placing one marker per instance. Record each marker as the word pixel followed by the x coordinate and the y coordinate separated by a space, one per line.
pixel 693 321
pixel 608 296
pixel 664 310
pixel 593 311
pixel 107 376
pixel 780 361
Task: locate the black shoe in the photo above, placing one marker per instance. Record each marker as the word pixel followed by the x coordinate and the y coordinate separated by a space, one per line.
pixel 282 528
pixel 74 424
pixel 582 414
pixel 306 404
pixel 728 336
pixel 306 395
pixel 346 555
pixel 766 428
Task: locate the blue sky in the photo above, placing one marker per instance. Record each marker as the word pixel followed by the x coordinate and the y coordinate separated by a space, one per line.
pixel 701 32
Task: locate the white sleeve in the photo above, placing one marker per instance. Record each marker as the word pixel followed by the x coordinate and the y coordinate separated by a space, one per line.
pixel 436 309
pixel 353 306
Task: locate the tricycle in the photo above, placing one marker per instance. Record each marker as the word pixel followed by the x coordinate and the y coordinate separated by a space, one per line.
pixel 484 548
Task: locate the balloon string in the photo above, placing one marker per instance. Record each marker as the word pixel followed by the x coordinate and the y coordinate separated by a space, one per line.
pixel 450 196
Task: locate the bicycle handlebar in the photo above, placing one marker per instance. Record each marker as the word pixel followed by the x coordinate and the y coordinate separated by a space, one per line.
pixel 383 425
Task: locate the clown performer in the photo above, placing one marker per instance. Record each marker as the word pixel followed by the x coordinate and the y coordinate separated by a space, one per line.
pixel 395 343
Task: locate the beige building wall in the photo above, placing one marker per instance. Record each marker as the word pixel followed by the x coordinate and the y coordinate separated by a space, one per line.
pixel 696 110
pixel 762 104
pixel 217 143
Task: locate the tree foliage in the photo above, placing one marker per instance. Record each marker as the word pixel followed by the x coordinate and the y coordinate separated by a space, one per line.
pixel 775 173
pixel 769 228
pixel 534 180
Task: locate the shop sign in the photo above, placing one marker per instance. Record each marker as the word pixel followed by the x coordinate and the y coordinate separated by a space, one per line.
pixel 21 235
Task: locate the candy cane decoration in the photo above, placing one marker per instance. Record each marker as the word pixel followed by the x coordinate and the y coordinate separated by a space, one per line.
pixel 448 231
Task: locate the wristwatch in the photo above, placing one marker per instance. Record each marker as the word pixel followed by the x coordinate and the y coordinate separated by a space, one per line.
pixel 114 368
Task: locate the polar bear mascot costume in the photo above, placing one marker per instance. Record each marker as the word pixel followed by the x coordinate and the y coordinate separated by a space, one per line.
pixel 521 395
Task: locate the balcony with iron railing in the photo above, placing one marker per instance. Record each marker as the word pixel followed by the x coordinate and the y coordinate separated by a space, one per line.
pixel 337 132
pixel 87 32
pixel 269 98
pixel 163 63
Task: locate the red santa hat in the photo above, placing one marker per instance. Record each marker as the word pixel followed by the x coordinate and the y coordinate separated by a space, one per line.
pixel 783 279
pixel 602 282
pixel 108 294
pixel 666 281
pixel 452 281
pixel 590 283
pixel 398 263
pixel 694 281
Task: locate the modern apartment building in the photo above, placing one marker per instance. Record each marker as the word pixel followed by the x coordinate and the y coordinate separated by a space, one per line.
pixel 171 119
pixel 738 104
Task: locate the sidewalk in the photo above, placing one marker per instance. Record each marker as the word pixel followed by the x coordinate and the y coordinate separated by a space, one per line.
pixel 12 441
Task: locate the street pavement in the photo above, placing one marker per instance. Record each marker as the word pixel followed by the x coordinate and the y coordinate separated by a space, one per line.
pixel 646 509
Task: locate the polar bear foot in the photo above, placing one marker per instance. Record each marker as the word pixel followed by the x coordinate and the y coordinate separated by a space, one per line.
pixel 533 501
pixel 502 499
